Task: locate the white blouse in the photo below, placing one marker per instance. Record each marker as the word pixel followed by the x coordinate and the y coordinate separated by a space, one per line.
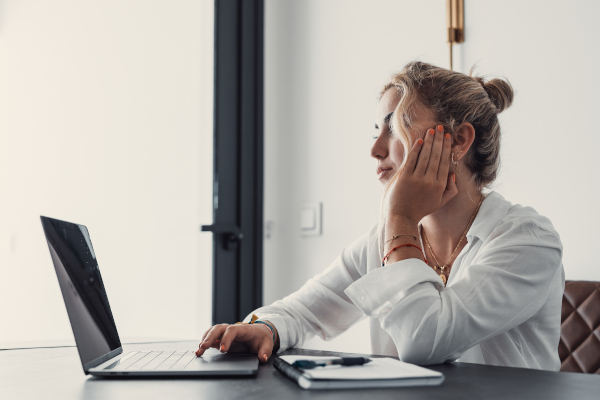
pixel 501 306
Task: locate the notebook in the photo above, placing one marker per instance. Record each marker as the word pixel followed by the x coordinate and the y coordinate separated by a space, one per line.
pixel 379 373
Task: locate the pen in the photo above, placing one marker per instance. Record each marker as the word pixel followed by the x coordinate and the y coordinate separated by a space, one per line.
pixel 344 361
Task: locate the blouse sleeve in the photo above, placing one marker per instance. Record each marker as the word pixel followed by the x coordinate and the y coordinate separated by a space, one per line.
pixel 505 285
pixel 321 307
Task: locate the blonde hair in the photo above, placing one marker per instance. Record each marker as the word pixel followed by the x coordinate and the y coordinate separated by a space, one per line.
pixel 454 98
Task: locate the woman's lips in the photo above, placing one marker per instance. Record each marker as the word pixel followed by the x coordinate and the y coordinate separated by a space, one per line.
pixel 382 172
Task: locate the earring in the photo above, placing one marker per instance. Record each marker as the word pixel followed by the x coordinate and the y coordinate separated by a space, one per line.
pixel 456 163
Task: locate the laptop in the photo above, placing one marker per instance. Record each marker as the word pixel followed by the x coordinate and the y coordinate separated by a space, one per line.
pixel 93 325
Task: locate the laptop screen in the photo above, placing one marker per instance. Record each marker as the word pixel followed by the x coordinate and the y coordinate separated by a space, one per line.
pixel 82 289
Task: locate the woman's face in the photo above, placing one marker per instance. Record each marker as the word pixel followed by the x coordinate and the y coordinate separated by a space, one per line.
pixel 388 149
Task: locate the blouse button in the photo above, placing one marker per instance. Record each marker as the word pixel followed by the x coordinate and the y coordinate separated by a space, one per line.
pixel 362 298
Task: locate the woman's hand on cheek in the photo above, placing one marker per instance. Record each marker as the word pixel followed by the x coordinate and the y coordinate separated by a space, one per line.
pixel 424 185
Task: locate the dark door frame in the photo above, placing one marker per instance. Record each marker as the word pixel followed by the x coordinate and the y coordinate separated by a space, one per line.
pixel 238 159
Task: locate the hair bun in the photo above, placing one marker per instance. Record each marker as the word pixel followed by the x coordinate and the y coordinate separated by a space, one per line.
pixel 500 92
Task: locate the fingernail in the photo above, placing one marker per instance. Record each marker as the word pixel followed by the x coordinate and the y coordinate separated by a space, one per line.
pixel 265 357
pixel 454 177
pixel 447 135
pixel 431 132
pixel 440 128
pixel 420 141
pixel 222 348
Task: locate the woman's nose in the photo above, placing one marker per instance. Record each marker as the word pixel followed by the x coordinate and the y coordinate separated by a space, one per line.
pixel 380 148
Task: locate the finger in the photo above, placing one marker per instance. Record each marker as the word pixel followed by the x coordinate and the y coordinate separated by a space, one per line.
pixel 451 189
pixel 215 333
pixel 206 333
pixel 265 350
pixel 445 161
pixel 425 153
pixel 436 152
pixel 413 155
pixel 215 345
pixel 200 350
pixel 228 337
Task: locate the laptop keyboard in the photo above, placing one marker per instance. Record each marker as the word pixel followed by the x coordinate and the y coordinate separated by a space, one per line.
pixel 154 360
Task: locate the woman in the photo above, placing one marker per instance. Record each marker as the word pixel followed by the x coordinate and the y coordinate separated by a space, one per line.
pixel 449 273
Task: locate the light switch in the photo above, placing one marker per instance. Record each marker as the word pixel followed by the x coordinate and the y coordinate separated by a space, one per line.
pixel 310 219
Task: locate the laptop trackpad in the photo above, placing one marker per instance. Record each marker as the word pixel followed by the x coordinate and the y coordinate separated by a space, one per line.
pixel 223 362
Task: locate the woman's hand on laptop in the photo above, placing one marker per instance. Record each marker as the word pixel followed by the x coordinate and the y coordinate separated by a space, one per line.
pixel 253 338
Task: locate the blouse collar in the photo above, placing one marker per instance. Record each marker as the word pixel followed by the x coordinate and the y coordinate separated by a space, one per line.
pixel 492 210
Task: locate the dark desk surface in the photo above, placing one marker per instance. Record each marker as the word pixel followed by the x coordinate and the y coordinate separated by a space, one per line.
pixel 55 373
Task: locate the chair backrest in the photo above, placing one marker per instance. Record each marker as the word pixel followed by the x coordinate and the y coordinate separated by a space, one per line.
pixel 579 347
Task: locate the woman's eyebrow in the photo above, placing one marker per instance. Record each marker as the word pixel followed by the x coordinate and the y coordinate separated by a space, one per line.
pixel 388 117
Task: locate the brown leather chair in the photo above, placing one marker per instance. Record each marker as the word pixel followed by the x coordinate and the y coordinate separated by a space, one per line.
pixel 579 347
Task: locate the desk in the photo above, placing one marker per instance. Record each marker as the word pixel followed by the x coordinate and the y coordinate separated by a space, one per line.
pixel 28 374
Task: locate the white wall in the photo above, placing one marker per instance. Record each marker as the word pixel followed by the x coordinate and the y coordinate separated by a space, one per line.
pixel 105 120
pixel 550 145
pixel 326 61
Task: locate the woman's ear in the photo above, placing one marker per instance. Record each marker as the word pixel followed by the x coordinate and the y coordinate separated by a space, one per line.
pixel 463 139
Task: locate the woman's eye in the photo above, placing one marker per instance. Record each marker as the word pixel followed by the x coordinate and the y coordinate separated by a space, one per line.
pixel 375 137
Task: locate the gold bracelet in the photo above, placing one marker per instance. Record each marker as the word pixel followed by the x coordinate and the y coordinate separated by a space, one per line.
pixel 397 236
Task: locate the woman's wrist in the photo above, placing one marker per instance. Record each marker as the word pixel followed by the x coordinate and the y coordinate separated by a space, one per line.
pixel 404 253
pixel 401 219
pixel 276 340
pixel 268 328
pixel 396 225
pixel 407 244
